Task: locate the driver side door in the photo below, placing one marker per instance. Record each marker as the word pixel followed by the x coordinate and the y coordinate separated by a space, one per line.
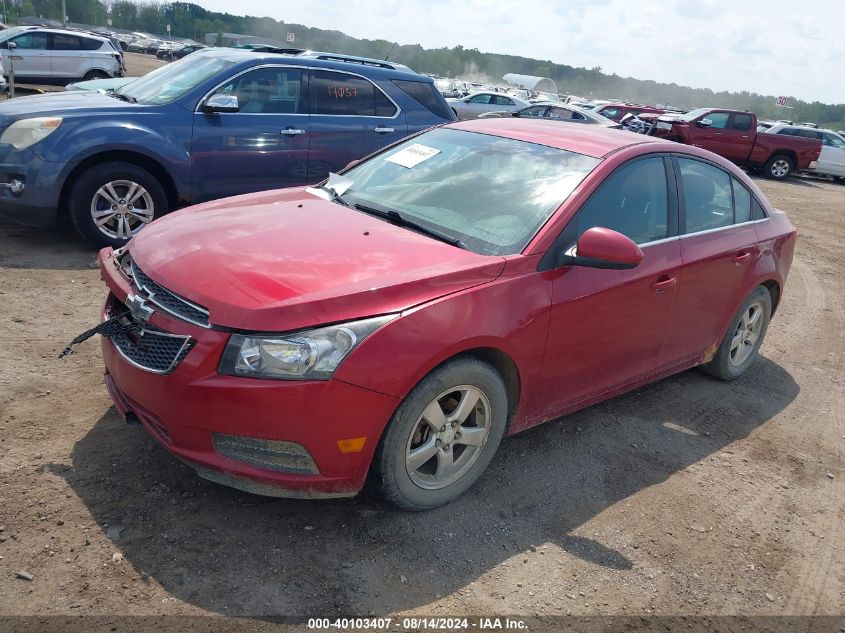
pixel 31 56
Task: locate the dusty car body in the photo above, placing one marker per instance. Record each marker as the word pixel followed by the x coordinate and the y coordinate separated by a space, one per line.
pixel 468 283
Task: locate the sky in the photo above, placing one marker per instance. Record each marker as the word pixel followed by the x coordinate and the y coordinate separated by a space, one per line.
pixel 770 47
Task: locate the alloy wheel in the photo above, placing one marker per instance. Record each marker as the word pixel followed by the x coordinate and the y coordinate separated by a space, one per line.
pixel 780 168
pixel 448 437
pixel 121 208
pixel 746 334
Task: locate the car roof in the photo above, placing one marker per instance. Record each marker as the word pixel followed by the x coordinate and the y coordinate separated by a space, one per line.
pixel 321 59
pixel 590 140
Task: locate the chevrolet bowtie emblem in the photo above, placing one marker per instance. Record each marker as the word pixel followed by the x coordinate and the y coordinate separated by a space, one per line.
pixel 138 308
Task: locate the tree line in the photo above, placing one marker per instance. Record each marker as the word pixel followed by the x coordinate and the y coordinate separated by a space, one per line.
pixel 189 20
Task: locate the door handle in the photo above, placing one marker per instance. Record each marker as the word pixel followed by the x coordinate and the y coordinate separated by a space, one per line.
pixel 384 130
pixel 741 257
pixel 292 131
pixel 663 283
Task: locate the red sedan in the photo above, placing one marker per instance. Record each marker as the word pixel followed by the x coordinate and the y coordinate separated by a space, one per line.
pixel 402 318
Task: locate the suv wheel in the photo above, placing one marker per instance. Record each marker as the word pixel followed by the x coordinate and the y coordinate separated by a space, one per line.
pixel 95 74
pixel 109 203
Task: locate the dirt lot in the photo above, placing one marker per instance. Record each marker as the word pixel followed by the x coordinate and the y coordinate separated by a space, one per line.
pixel 690 496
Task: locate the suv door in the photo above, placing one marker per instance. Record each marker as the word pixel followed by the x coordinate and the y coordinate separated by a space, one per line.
pixel 31 56
pixel 69 58
pixel 629 311
pixel 718 250
pixel 262 146
pixel 351 117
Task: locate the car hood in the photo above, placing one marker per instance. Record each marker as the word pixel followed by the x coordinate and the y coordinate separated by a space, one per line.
pixel 59 103
pixel 286 260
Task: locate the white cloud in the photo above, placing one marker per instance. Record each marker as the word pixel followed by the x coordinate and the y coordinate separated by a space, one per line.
pixel 757 45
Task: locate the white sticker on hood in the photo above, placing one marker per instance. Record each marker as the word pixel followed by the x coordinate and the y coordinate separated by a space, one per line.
pixel 412 155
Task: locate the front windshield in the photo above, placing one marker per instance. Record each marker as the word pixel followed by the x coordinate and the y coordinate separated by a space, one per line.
pixel 694 114
pixel 492 193
pixel 172 81
pixel 8 34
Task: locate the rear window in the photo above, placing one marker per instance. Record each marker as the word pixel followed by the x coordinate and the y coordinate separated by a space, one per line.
pixel 90 44
pixel 426 95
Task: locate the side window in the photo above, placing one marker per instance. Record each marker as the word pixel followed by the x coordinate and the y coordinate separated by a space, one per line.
pixel 577 116
pixel 634 201
pixel 31 41
pixel 741 122
pixel 742 202
pixel 707 196
pixel 90 44
pixel 610 113
pixel 485 99
pixel 560 113
pixel 832 140
pixel 719 120
pixel 342 94
pixel 61 42
pixel 503 101
pixel 788 131
pixel 533 111
pixel 267 91
pixel 757 212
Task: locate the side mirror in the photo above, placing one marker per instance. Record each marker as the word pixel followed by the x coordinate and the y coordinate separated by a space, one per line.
pixel 704 123
pixel 599 247
pixel 221 103
pixel 11 46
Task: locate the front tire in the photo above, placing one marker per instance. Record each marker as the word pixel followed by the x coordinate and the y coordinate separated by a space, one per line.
pixel 443 435
pixel 742 341
pixel 110 202
pixel 779 167
pixel 95 74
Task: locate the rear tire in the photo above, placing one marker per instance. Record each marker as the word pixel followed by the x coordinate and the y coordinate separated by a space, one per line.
pixel 779 167
pixel 741 344
pixel 443 435
pixel 110 202
pixel 95 74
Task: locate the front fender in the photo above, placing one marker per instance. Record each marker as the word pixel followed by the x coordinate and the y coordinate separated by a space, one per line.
pixel 165 139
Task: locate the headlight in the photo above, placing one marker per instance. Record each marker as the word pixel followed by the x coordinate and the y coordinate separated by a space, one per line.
pixel 21 134
pixel 308 355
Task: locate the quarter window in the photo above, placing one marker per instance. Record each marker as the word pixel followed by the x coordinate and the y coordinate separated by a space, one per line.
pixel 634 201
pixel 708 200
pixel 342 94
pixel 742 202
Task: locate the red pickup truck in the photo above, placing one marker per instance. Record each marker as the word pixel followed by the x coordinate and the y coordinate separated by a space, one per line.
pixel 733 134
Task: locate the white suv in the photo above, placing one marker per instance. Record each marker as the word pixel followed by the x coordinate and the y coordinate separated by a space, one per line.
pixel 832 159
pixel 56 56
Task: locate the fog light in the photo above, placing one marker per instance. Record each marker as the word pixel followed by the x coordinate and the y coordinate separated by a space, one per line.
pixel 283 457
pixel 15 185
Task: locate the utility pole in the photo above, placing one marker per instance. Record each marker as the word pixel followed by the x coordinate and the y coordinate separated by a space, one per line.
pixel 64 13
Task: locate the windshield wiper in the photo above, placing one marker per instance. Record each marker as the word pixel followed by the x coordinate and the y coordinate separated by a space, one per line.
pixel 336 197
pixel 122 97
pixel 399 219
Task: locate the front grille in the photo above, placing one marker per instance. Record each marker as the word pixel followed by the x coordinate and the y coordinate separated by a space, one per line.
pixel 169 301
pixel 151 349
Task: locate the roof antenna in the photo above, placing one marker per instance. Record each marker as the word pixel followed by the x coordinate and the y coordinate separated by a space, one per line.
pixel 390 51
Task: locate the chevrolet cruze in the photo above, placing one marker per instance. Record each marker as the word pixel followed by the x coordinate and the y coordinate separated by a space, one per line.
pixel 468 283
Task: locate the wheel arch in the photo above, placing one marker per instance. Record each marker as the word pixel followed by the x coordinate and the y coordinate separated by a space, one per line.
pixel 126 156
pixel 774 288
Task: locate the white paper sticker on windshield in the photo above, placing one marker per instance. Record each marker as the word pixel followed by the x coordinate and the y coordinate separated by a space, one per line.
pixel 412 155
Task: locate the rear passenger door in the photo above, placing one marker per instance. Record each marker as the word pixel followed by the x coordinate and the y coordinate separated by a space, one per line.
pixel 351 117
pixel 718 251
pixel 69 57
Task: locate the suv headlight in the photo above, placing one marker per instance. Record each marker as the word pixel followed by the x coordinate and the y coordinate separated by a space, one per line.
pixel 308 355
pixel 25 132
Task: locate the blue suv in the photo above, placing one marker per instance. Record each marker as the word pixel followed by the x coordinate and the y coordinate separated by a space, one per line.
pixel 217 123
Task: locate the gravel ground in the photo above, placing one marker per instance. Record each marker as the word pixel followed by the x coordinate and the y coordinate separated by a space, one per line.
pixel 689 496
